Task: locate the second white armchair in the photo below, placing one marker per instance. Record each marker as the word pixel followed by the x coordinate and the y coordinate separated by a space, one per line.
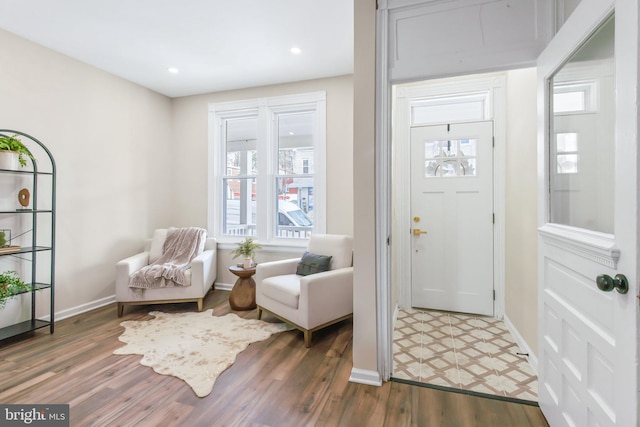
pixel 294 292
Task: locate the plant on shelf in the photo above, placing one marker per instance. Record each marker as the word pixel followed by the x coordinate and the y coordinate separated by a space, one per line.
pixel 10 286
pixel 12 143
pixel 247 249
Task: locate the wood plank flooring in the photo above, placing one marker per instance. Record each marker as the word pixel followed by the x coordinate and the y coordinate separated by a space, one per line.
pixel 277 382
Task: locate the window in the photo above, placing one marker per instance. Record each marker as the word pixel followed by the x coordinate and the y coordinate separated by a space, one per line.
pixel 574 97
pixel 267 168
pixel 567 156
pixel 451 158
pixel 462 108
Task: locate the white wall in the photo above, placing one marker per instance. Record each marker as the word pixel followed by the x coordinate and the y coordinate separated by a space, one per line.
pixel 190 183
pixel 521 235
pixel 110 140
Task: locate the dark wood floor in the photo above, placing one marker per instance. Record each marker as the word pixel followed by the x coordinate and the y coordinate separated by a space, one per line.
pixel 277 382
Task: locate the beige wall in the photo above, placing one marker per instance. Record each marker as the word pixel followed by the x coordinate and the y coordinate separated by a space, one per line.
pixel 109 138
pixel 364 280
pixel 521 275
pixel 190 128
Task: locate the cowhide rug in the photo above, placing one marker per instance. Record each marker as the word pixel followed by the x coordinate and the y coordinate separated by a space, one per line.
pixel 195 347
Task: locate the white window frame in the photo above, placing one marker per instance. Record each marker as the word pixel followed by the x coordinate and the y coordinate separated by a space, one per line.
pixel 266 111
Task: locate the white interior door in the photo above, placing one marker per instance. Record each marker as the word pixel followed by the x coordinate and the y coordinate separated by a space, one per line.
pixel 588 136
pixel 452 217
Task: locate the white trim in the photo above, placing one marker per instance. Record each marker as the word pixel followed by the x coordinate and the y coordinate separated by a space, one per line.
pixel 82 308
pixel 494 86
pixel 364 376
pixel 383 203
pixel 218 286
pixel 274 248
pixel 594 246
pixel 265 110
pixel 524 347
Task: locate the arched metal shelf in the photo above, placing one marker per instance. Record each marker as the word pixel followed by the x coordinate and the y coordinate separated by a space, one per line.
pixel 44 166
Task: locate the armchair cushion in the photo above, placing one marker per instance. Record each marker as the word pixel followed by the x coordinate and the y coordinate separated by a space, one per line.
pixel 312 263
pixel 157 244
pixel 285 289
pixel 338 246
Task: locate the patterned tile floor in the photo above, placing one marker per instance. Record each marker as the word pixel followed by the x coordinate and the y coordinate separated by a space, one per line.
pixel 461 351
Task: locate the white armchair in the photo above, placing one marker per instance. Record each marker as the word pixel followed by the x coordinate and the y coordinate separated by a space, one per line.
pixel 200 276
pixel 314 301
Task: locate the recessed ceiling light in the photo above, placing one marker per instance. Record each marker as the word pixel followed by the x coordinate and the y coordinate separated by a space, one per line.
pixel 291 133
pixel 296 50
pixel 173 70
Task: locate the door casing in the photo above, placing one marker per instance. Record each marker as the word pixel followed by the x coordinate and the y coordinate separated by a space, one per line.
pixel 494 85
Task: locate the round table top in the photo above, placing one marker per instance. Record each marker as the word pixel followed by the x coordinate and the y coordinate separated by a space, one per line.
pixel 241 271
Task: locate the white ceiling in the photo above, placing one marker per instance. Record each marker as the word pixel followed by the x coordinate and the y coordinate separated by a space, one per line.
pixel 216 44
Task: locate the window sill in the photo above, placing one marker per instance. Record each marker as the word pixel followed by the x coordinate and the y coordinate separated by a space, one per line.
pixel 283 247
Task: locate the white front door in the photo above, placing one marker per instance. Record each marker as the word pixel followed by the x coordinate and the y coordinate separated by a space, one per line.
pixel 452 217
pixel 588 139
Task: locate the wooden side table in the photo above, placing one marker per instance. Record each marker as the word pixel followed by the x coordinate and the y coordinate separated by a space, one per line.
pixel 243 294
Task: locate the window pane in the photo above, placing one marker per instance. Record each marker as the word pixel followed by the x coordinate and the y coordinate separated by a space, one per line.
pixel 468 148
pixel 240 206
pixel 447 110
pixel 295 207
pixel 241 135
pixel 450 158
pixel 567 142
pixel 582 143
pixel 295 144
pixel 565 102
pixel 567 163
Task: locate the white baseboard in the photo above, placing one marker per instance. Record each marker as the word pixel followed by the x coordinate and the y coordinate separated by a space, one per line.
pixel 363 376
pixel 223 286
pixel 74 311
pixel 395 315
pixel 524 347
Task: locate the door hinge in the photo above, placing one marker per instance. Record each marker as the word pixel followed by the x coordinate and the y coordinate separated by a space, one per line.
pixel 493 141
pixel 388 240
pixel 494 294
pixel 493 218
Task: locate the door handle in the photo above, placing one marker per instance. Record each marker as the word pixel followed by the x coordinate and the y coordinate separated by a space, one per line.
pixel 417 232
pixel 607 283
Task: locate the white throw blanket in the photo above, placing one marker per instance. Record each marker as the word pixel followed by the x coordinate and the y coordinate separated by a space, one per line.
pixel 180 248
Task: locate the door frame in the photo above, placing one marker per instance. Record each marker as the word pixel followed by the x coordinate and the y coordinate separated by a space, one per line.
pixel 494 86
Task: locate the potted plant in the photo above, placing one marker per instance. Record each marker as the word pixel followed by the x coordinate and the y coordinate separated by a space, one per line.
pixel 13 152
pixel 10 286
pixel 247 249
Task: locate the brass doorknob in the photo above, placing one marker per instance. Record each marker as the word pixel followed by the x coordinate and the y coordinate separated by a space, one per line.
pixel 417 232
pixel 607 283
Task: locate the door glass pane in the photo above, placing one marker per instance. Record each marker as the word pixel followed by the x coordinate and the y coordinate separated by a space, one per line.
pixel 450 158
pixel 582 136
